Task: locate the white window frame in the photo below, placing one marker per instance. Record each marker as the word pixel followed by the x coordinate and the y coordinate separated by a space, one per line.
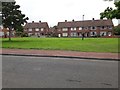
pixel 91 33
pixel 105 33
pixel 42 29
pixel 109 33
pixel 29 34
pixel 30 29
pixel 110 27
pixel 80 28
pixel 1 34
pixel 64 34
pixel 1 27
pixel 94 28
pixel 7 33
pixel 73 29
pixel 64 29
pixel 73 34
pixel 103 28
pixel 37 29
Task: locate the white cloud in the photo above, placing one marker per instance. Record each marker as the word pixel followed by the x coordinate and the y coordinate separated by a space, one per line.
pixel 53 11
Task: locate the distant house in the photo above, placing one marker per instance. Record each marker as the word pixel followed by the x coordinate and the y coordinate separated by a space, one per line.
pixel 36 28
pixel 90 28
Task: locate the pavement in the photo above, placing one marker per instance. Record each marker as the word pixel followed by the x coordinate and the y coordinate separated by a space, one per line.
pixel 61 53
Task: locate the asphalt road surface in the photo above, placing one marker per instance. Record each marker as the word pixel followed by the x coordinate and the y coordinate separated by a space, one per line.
pixel 41 72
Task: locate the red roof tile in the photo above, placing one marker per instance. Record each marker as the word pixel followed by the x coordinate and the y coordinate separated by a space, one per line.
pixel 37 25
pixel 85 23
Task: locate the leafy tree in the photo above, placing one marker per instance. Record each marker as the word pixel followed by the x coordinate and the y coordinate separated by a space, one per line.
pixel 117 30
pixel 12 18
pixel 111 13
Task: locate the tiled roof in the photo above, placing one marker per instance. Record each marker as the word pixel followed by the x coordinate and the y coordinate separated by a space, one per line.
pixel 85 23
pixel 36 25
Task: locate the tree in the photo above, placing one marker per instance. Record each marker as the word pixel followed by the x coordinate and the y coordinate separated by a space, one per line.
pixel 12 18
pixel 111 13
pixel 117 30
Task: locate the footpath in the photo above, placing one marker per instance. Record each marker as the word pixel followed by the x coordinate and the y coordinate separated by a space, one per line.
pixel 60 53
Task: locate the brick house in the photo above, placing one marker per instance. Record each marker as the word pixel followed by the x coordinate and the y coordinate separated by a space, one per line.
pixel 90 28
pixel 36 28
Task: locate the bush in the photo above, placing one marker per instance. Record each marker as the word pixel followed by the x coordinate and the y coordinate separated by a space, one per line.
pixel 117 30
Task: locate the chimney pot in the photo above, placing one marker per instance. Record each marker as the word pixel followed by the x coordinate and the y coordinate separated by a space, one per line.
pixel 32 21
pixel 65 20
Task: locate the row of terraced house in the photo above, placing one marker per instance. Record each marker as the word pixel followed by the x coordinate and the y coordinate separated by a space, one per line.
pixel 89 28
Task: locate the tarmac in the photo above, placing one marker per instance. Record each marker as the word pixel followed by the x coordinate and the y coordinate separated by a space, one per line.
pixel 60 54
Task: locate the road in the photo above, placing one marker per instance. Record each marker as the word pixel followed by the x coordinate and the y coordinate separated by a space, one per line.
pixel 45 72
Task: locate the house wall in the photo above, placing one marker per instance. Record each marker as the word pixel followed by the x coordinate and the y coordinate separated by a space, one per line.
pixel 39 32
pixel 88 32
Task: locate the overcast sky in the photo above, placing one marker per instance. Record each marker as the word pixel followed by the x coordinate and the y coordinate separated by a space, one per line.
pixel 53 11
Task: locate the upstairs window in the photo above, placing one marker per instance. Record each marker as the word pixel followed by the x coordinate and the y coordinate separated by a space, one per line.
pixel 103 27
pixel 30 29
pixel 86 28
pixel 110 27
pixel 93 28
pixel 65 29
pixel 80 28
pixel 73 29
pixel 42 29
pixel 37 29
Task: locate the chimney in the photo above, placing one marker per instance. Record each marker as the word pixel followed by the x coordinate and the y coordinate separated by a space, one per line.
pixel 93 19
pixel 32 21
pixel 39 21
pixel 73 20
pixel 65 20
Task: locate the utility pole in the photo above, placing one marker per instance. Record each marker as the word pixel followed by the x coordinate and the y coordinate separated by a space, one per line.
pixel 83 28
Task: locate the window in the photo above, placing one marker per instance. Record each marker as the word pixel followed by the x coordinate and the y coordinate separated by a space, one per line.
pixel 65 34
pixel 102 33
pixel 1 27
pixel 93 33
pixel 42 29
pixel 73 29
pixel 37 29
pixel 93 28
pixel 1 33
pixel 73 34
pixel 103 27
pixel 109 27
pixel 7 33
pixel 30 29
pixel 65 29
pixel 80 28
pixel 86 28
pixel 30 34
pixel 109 33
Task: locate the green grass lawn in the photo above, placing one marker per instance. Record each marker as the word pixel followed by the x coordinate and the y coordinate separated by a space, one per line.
pixel 72 44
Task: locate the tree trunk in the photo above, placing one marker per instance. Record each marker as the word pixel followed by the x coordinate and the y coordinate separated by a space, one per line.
pixel 10 34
